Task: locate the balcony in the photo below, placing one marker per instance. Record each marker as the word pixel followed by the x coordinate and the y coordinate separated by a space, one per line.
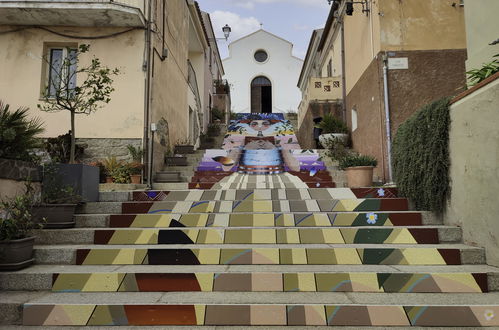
pixel 105 13
pixel 325 89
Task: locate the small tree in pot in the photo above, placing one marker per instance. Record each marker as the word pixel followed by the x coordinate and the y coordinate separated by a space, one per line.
pixel 359 169
pixel 16 224
pixel 136 165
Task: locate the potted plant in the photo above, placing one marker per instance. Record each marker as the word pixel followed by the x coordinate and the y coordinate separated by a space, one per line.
pixel 110 165
pixel 332 129
pixel 214 130
pixel 58 201
pixel 121 174
pixel 184 147
pixel 172 159
pixel 16 223
pixel 359 169
pixel 136 166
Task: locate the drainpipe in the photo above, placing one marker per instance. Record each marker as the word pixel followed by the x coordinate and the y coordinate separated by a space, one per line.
pixel 343 68
pixel 387 117
pixel 147 100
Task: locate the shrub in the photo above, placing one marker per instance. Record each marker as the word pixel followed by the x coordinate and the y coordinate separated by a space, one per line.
pixel 59 148
pixel 135 152
pixel 331 124
pixel 421 156
pixel 336 149
pixel 18 134
pixel 15 219
pixel 121 174
pixel 353 160
pixel 217 114
pixel 214 130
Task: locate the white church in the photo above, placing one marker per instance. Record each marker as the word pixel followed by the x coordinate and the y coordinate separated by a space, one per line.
pixel 263 74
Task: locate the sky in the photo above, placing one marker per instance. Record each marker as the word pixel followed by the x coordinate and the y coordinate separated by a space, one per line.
pixel 293 20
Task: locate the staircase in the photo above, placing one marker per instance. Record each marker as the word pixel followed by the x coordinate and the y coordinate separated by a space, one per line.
pixel 293 256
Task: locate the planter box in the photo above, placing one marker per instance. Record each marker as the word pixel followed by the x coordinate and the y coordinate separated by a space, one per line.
pixel 184 149
pixel 359 176
pixel 57 215
pixel 326 139
pixel 83 178
pixel 16 254
pixel 176 161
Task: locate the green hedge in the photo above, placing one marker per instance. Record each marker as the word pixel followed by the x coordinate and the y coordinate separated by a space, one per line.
pixel 421 156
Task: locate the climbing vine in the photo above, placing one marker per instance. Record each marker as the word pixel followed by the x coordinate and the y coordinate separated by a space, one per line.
pixel 421 156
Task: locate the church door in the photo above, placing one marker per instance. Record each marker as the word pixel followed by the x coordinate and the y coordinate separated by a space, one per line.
pixel 261 95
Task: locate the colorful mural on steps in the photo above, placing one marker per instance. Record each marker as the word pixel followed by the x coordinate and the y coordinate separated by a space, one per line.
pixel 270 315
pixel 260 144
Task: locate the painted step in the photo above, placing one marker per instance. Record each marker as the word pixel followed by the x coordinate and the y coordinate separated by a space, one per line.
pixel 298 219
pixel 271 309
pixel 260 254
pixel 271 282
pixel 245 235
pixel 346 205
pixel 102 278
pixel 263 194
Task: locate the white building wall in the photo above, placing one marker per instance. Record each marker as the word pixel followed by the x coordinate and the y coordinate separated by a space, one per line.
pixel 281 68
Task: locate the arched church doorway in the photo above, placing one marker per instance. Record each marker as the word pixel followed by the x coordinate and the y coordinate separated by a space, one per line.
pixel 261 95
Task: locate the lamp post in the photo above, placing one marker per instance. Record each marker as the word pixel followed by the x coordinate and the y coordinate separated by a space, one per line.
pixel 226 30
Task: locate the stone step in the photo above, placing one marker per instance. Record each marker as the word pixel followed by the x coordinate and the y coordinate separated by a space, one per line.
pixel 344 205
pixel 170 186
pixel 257 254
pixel 248 194
pixel 171 176
pixel 298 219
pixel 41 277
pixel 245 235
pixel 94 279
pixel 251 308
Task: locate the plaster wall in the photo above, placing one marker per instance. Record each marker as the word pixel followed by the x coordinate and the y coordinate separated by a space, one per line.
pixel 22 78
pixel 281 68
pixel 474 155
pixel 482 28
pixel 394 25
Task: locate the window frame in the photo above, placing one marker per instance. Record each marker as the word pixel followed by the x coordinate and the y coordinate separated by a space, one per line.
pixel 47 66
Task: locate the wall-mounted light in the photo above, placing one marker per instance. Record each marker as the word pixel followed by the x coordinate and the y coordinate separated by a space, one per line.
pixel 226 30
pixel 365 7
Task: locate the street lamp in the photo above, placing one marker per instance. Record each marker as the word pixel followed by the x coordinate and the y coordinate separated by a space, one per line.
pixel 227 30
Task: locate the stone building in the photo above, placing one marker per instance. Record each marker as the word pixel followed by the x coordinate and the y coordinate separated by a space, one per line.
pixel 421 45
pixel 262 72
pixel 160 47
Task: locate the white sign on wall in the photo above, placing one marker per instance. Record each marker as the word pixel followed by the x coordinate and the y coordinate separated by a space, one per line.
pixel 398 63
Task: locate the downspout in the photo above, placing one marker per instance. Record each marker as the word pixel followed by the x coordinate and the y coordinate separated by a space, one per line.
pixel 343 68
pixel 147 104
pixel 387 117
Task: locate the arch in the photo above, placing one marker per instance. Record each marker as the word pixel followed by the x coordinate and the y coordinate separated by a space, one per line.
pixel 261 95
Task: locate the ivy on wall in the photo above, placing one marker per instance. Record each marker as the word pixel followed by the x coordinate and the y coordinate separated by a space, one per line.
pixel 421 156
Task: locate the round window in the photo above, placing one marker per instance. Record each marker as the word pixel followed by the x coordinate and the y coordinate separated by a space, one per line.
pixel 261 56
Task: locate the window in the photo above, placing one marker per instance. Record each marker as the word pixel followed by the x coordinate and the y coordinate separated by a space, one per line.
pixel 61 76
pixel 330 68
pixel 261 56
pixel 354 119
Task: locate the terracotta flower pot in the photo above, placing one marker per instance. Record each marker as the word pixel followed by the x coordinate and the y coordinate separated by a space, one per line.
pixel 56 215
pixel 16 254
pixel 359 176
pixel 136 178
pixel 109 179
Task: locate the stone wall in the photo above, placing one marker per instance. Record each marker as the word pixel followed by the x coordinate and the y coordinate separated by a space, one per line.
pixel 474 173
pixel 13 177
pixel 99 149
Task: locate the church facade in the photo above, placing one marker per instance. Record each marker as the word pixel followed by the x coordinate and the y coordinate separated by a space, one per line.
pixel 263 74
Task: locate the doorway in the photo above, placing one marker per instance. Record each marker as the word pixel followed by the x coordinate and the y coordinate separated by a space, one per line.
pixel 261 95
